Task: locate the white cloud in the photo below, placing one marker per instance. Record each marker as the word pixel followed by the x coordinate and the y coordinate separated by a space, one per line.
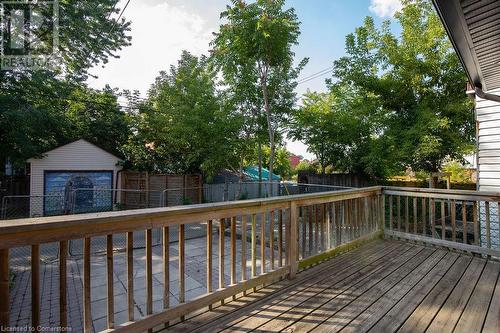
pixel 385 8
pixel 160 31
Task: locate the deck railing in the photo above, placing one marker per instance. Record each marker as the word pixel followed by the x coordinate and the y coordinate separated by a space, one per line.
pixel 246 244
pixel 463 220
pixel 276 237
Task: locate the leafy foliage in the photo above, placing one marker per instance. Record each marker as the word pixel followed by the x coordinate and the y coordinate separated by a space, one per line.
pixel 184 127
pixel 40 110
pixel 394 102
pixel 254 52
pixel 282 166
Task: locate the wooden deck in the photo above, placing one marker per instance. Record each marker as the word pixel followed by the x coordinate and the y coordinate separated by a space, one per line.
pixel 384 286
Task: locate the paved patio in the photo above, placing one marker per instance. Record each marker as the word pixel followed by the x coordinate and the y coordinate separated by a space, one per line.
pixel 195 280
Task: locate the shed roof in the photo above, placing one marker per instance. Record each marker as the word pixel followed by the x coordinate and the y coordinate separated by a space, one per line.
pixel 474 30
pixel 68 145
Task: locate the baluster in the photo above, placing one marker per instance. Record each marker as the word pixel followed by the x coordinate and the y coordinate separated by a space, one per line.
pixel 390 213
pixel 280 238
pixel 488 226
pixel 182 266
pixel 110 281
pixel 311 236
pixel 399 212
pixel 149 273
pixel 337 223
pixel 233 251
pixel 292 254
pixel 475 223
pixel 271 238
pixel 304 231
pixel 63 289
pixel 368 215
pixel 263 243
pixel 351 218
pixel 287 237
pixel 362 217
pixel 443 220
pixel 166 268
pixel 254 246
pixel 4 288
pixel 345 235
pixel 464 222
pixel 432 217
pixel 244 222
pixel 353 215
pixel 415 216
pixel 221 254
pixel 453 213
pixel 316 228
pixel 130 275
pixel 87 314
pixel 407 214
pixel 424 213
pixel 209 258
pixel 328 226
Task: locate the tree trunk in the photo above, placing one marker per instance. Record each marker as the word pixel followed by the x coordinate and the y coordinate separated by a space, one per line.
pixel 240 178
pixel 270 131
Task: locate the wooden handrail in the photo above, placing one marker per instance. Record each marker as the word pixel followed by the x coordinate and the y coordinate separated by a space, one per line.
pixel 442 193
pixel 56 228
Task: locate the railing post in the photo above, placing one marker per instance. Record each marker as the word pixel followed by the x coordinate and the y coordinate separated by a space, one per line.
pixel 293 244
pixel 381 200
pixel 4 290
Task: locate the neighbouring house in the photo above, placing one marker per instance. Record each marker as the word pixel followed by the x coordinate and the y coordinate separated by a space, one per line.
pixel 294 160
pixel 75 178
pixel 473 30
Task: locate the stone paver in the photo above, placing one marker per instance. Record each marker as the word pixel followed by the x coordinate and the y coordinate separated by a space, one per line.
pixel 195 280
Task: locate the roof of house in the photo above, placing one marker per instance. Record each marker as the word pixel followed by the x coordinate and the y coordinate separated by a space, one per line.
pixel 474 30
pixel 79 141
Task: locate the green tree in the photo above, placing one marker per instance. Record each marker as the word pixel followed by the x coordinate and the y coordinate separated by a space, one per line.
pixel 312 124
pixel 254 50
pixel 408 92
pixel 184 127
pixel 37 107
pixel 282 166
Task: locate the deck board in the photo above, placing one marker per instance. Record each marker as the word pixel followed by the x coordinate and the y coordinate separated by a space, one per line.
pixel 474 314
pixel 492 322
pixel 384 286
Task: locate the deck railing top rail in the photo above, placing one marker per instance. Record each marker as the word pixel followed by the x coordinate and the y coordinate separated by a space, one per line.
pixel 442 193
pixel 56 228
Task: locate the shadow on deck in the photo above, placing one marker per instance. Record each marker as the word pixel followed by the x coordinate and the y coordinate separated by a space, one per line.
pixel 383 286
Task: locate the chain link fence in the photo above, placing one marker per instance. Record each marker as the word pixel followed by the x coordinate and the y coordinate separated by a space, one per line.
pixel 86 200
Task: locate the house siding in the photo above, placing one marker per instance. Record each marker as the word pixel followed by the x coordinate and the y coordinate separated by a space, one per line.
pixel 76 156
pixel 488 138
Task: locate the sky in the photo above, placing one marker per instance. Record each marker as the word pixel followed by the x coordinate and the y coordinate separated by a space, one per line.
pixel 161 29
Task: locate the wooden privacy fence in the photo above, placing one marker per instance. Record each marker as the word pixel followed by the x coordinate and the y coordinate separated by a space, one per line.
pixel 278 237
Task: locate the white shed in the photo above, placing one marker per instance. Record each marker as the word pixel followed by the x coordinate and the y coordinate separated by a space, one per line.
pixel 74 178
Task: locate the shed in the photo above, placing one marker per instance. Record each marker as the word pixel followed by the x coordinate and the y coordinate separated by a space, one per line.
pixel 78 177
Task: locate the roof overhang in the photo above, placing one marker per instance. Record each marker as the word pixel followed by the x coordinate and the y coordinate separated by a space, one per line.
pixel 474 30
